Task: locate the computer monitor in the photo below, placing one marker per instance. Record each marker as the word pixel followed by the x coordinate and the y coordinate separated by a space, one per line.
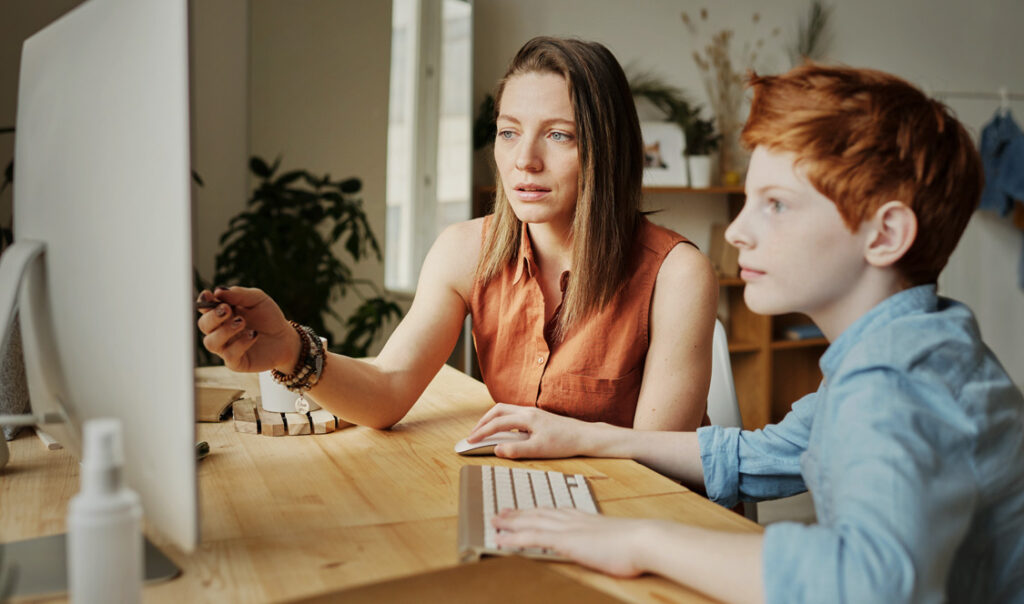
pixel 102 188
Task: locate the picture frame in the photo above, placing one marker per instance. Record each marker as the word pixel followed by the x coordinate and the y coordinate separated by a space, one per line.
pixel 664 163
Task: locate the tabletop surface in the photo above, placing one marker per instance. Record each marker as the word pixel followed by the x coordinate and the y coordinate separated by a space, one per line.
pixel 290 517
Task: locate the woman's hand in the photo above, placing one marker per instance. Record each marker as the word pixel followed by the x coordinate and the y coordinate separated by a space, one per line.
pixel 610 545
pixel 551 435
pixel 248 330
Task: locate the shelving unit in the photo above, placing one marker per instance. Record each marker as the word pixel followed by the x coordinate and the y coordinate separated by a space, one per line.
pixel 770 372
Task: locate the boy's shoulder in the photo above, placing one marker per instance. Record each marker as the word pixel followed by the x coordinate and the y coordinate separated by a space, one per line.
pixel 942 334
pixel 939 346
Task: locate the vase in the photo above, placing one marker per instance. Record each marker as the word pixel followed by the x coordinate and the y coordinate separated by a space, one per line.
pixel 732 159
pixel 700 171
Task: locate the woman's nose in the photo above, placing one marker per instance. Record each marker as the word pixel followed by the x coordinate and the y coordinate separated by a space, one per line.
pixel 528 158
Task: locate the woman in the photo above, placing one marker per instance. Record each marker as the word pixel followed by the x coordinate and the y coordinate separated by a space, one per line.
pixel 580 306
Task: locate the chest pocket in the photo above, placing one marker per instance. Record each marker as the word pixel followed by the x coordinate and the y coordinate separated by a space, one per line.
pixel 589 398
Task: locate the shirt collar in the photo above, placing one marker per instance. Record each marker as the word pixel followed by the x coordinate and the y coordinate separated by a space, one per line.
pixel 525 262
pixel 909 301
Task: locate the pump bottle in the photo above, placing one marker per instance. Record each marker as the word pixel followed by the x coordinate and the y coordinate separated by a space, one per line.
pixel 104 546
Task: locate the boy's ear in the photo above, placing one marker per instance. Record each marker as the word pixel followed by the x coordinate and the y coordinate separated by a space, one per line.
pixel 893 231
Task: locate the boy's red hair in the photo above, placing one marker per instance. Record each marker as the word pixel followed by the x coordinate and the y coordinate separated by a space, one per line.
pixel 864 138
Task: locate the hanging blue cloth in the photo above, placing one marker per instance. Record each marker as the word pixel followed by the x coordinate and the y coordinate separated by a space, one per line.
pixel 1002 157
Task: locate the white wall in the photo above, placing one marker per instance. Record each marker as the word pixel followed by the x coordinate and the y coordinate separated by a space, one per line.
pixel 218 39
pixel 18 21
pixel 319 77
pixel 939 44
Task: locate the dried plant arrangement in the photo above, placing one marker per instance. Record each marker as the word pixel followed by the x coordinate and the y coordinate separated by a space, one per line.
pixel 813 34
pixel 723 76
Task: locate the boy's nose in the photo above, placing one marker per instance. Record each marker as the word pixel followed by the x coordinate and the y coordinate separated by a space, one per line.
pixel 736 234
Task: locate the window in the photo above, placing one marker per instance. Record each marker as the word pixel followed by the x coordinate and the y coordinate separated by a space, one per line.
pixel 429 131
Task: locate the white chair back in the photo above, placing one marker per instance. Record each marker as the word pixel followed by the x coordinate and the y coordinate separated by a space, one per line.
pixel 723 407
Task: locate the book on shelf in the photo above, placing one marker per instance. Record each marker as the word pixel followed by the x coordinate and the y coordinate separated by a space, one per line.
pixel 805 331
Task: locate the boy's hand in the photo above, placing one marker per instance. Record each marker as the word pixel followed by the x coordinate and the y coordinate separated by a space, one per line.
pixel 247 330
pixel 603 543
pixel 551 435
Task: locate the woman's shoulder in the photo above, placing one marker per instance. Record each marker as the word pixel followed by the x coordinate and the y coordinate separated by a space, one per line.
pixel 456 251
pixel 658 238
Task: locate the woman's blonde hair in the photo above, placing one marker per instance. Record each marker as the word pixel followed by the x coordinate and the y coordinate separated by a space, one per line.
pixel 610 148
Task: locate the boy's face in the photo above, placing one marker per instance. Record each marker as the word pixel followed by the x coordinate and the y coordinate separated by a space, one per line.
pixel 795 252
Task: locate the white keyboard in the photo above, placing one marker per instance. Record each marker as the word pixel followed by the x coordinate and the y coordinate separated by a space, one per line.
pixel 486 490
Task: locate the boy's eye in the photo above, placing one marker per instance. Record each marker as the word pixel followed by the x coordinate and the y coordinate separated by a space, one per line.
pixel 776 206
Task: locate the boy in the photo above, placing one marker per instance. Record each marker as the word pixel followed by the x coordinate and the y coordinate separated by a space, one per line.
pixel 858 189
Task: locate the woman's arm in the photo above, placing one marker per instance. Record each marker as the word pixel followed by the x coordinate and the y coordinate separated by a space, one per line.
pixel 376 393
pixel 677 370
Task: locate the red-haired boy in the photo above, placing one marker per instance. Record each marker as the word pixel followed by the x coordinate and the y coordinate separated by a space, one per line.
pixel 858 189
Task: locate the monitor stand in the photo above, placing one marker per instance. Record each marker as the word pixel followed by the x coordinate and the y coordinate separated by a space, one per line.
pixel 38 567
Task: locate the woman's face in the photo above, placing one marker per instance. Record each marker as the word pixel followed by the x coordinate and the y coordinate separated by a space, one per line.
pixel 535 149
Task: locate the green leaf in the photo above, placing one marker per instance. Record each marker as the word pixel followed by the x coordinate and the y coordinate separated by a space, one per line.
pixel 351 185
pixel 259 167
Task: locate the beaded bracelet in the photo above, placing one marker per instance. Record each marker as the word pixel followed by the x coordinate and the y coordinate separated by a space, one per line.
pixel 310 365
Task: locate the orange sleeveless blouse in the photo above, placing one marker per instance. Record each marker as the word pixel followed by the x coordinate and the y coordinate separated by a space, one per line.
pixel 595 373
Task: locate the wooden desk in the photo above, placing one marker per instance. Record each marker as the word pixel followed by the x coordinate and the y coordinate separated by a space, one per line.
pixel 295 516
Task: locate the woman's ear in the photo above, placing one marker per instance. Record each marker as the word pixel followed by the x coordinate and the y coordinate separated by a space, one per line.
pixel 894 229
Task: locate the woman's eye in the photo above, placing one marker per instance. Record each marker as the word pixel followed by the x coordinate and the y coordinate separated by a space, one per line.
pixel 505 134
pixel 559 137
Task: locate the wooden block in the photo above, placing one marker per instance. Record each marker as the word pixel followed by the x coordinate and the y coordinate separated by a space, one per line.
pixel 298 423
pixel 271 423
pixel 323 421
pixel 244 412
pixel 247 427
pixel 211 401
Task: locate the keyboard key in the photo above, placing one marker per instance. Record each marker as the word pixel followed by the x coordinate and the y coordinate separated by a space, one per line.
pixel 523 488
pixel 541 489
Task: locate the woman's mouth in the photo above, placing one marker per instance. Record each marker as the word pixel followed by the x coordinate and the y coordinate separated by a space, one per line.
pixel 530 192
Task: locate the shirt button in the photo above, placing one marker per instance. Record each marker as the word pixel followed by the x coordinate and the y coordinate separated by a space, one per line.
pixel 540 360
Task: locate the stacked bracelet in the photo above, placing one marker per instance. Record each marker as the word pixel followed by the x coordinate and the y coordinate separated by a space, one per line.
pixel 310 365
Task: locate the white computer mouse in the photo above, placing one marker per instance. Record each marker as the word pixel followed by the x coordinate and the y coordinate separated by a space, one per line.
pixel 486 446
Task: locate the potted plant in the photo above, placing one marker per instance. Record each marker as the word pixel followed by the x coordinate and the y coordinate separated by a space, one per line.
pixel 284 243
pixel 701 138
pixel 701 142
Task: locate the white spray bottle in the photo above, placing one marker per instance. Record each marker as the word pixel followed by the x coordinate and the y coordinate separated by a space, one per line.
pixel 105 547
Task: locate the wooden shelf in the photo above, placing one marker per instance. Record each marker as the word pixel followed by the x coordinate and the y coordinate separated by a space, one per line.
pixel 739 347
pixel 736 190
pixel 807 343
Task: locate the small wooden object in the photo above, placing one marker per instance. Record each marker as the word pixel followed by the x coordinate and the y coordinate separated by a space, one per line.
pixel 215 392
pixel 250 418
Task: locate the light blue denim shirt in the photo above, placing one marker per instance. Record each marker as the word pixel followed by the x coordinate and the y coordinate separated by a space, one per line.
pixel 913 450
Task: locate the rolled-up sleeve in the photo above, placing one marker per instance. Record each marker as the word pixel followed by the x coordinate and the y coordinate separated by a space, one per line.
pixel 759 464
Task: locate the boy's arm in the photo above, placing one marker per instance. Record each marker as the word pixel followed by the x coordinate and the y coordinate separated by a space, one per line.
pixel 897 497
pixel 761 464
pixel 724 565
